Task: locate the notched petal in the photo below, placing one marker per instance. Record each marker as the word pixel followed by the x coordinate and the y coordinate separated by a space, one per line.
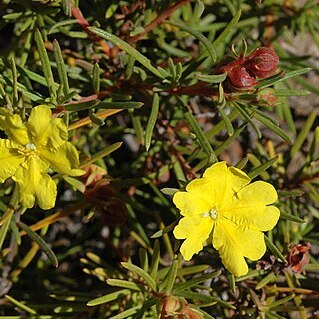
pixel 196 230
pixel 34 184
pixel 64 160
pixel 235 242
pixel 190 204
pixel 13 126
pixel 10 160
pixel 46 131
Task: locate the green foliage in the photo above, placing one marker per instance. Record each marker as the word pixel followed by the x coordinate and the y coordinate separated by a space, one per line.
pixel 136 82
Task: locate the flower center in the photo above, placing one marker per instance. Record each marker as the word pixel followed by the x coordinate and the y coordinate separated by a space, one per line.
pixel 213 213
pixel 31 147
pixel 28 149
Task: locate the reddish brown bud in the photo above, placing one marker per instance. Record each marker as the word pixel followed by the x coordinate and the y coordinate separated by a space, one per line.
pixel 262 62
pixel 177 308
pixel 103 196
pixel 240 78
pixel 299 257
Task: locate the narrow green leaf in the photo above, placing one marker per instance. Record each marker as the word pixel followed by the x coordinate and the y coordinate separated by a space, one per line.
pixel 276 129
pixel 274 249
pixel 256 163
pixel 55 28
pixel 42 244
pixel 249 118
pixel 144 275
pixel 138 310
pixel 15 231
pixel 97 156
pixel 119 105
pixel 279 78
pixel 127 48
pixel 281 301
pixel 293 193
pixel 302 136
pixel 195 281
pixel 169 281
pixel 218 78
pixel 151 121
pixel 14 82
pixel 80 106
pixel 143 259
pixel 169 191
pixel 96 78
pixel 61 67
pixel 45 63
pixel 204 298
pixel 123 284
pixel 232 282
pixel 78 185
pixel 191 270
pixel 205 314
pixel 287 92
pixel 94 118
pixel 262 168
pixel 34 77
pixel 109 297
pixel 200 135
pixel 155 259
pixel 20 305
pixel 167 229
pixel 198 36
pixel 4 225
pixel 290 217
pixel 314 147
pixel 129 67
pixel 266 280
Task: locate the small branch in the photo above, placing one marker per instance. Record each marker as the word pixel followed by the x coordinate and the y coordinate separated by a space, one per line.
pixel 157 21
pixel 77 14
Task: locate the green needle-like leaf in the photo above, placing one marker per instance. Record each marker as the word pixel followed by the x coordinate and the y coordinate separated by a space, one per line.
pixel 42 244
pixel 127 48
pixel 45 63
pixel 139 271
pixel 151 121
pixel 61 67
pixel 197 35
pixel 109 297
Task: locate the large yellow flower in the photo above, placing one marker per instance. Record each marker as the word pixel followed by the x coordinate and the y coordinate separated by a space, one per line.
pixel 32 148
pixel 223 207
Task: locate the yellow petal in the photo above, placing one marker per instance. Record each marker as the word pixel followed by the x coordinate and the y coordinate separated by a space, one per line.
pixel 196 230
pixel 34 184
pixel 227 181
pixel 191 204
pixel 10 160
pixel 235 242
pixel 64 160
pixel 249 208
pixel 45 130
pixel 203 188
pixel 13 126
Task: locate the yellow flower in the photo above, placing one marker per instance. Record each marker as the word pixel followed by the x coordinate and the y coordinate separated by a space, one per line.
pixel 32 148
pixel 223 207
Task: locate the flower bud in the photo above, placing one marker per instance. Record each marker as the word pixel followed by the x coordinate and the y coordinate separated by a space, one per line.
pixel 177 308
pixel 240 79
pixel 262 62
pixel 267 97
pixel 171 306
